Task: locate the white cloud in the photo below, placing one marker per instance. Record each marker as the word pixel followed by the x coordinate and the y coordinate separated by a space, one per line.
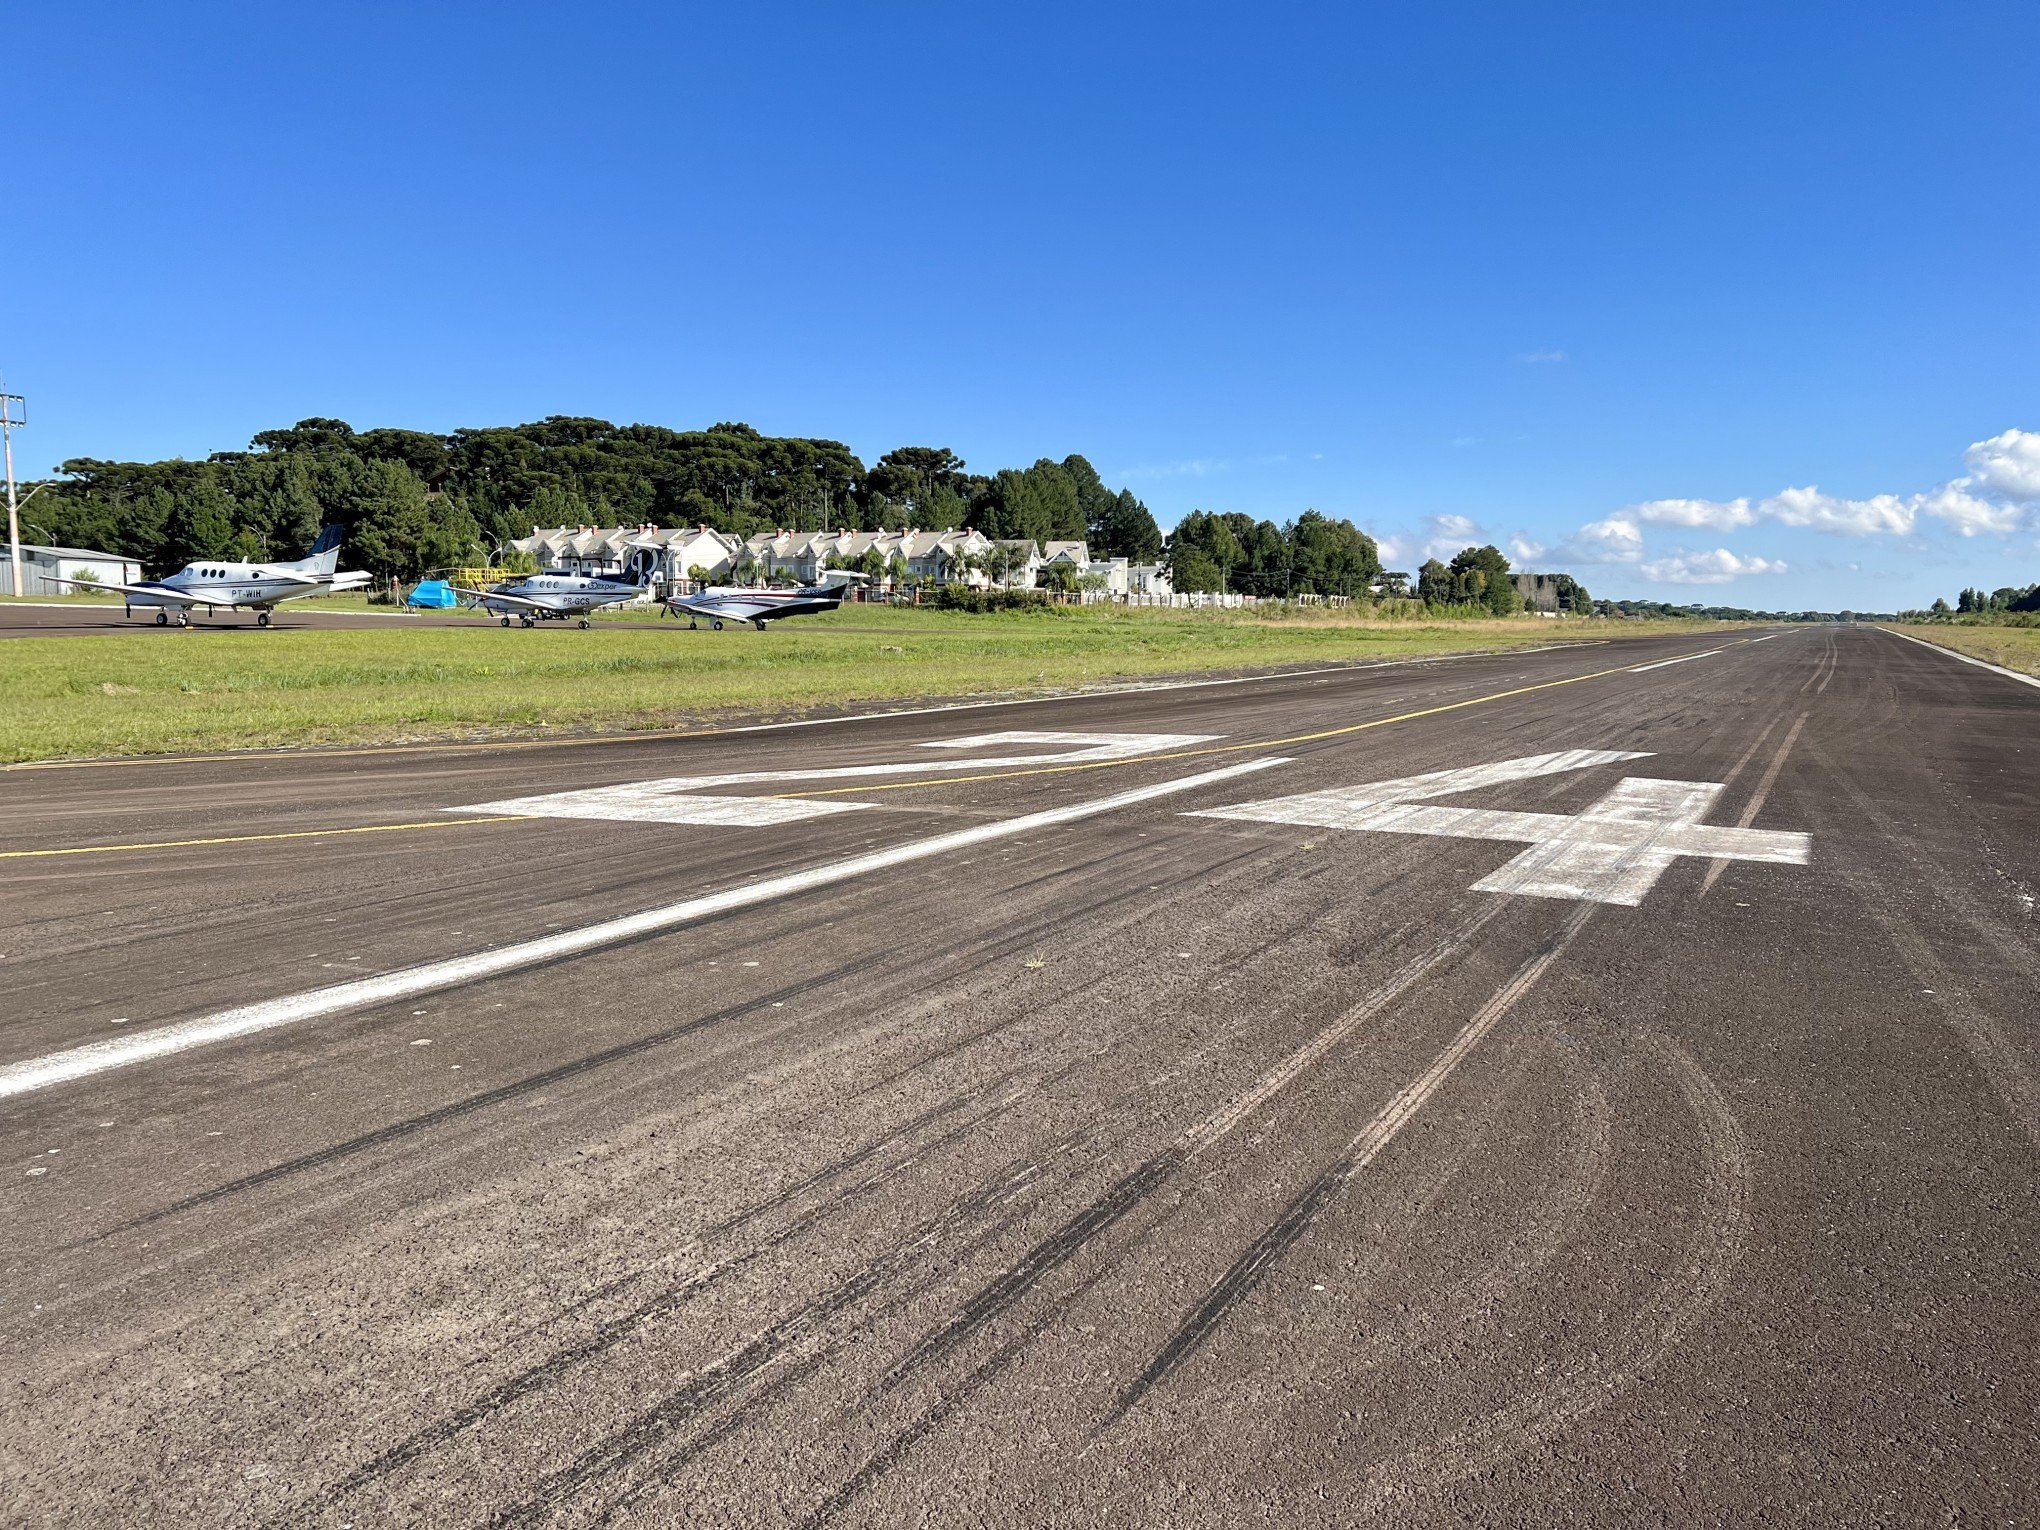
pixel 1852 517
pixel 1953 503
pixel 1201 467
pixel 1618 539
pixel 1523 550
pixel 1716 567
pixel 2007 464
pixel 1714 514
pixel 1447 535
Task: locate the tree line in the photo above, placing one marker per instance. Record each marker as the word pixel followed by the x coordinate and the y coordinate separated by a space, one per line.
pixel 414 500
pixel 1228 553
pixel 2006 600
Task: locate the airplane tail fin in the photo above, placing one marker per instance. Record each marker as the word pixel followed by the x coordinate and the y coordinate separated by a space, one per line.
pixel 324 557
pixel 837 582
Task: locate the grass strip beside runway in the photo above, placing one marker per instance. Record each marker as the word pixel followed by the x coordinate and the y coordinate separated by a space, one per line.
pixel 165 691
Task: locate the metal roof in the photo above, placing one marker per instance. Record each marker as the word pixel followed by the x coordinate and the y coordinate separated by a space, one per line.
pixel 69 552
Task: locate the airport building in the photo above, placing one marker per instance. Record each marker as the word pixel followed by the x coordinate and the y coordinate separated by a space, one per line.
pixel 42 567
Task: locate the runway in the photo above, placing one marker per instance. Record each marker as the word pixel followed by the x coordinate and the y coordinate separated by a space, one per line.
pixel 1591 1086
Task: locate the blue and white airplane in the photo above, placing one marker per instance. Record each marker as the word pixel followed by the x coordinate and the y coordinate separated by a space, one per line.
pixel 551 595
pixel 736 603
pixel 220 583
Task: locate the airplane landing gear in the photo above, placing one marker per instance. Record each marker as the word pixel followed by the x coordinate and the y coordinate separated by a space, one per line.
pixel 693 625
pixel 759 623
pixel 529 622
pixel 262 618
pixel 715 623
pixel 506 621
pixel 584 624
pixel 184 618
pixel 162 618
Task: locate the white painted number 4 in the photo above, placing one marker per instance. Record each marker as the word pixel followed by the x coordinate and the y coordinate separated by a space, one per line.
pixel 1614 852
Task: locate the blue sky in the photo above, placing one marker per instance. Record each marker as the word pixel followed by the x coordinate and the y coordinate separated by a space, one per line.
pixel 1521 272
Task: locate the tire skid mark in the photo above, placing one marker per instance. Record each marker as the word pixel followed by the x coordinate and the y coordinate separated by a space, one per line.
pixel 1051 1253
pixel 1247 1272
pixel 722 1378
pixel 1005 944
pixel 615 1330
pixel 1721 1229
pixel 503 1093
pixel 1762 794
pixel 652 1429
pixel 1547 1223
pixel 1012 942
pixel 880 1463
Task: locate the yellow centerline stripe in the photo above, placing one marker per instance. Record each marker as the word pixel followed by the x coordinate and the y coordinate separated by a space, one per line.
pixel 249 839
pixel 1193 754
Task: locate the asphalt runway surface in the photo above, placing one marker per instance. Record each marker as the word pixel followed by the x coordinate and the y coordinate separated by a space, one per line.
pixel 1182 1118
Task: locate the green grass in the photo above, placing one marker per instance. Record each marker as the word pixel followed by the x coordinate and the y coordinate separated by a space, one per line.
pixel 165 690
pixel 2013 647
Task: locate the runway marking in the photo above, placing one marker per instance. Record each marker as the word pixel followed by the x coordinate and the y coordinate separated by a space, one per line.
pixel 680 799
pixel 1613 852
pixel 1755 805
pixel 1681 659
pixel 1996 669
pixel 249 839
pixel 249 1019
pixel 1265 743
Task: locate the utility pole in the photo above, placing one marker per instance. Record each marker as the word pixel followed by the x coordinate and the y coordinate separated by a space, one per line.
pixel 13 412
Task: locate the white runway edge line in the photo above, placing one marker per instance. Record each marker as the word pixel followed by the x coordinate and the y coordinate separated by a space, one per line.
pixel 247 1020
pixel 1996 669
pixel 1681 659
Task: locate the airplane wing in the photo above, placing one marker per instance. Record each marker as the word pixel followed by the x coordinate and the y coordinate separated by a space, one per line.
pixel 155 591
pixel 351 581
pixel 741 608
pixel 480 596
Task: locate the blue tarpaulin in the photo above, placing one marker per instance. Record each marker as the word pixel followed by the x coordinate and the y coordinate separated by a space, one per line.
pixel 433 594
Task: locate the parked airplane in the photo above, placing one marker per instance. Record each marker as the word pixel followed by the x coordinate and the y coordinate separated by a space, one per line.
pixel 553 595
pixel 217 583
pixel 735 603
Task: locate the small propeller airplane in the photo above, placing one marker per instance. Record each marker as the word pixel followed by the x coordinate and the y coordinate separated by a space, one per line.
pixel 218 583
pixel 736 603
pixel 553 595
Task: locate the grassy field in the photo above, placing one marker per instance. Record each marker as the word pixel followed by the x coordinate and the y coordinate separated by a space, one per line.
pixel 2013 647
pixel 157 691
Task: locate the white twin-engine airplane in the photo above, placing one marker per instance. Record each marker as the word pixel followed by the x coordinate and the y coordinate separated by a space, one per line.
pixel 735 603
pixel 217 583
pixel 548 596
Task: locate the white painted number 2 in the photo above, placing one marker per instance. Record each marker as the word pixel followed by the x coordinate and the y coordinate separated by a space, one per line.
pixel 1613 852
pixel 691 799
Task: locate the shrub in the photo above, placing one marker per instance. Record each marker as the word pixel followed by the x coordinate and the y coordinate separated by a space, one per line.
pixel 961 597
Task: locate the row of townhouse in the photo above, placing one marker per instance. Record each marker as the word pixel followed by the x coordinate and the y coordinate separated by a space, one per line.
pixel 675 557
